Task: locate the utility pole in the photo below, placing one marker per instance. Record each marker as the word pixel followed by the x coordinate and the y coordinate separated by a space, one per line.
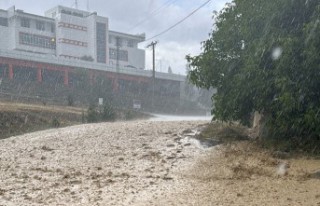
pixel 153 44
pixel 76 4
pixel 115 80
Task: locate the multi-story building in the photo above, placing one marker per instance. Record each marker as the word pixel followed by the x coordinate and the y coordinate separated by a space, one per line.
pixel 69 52
pixel 70 33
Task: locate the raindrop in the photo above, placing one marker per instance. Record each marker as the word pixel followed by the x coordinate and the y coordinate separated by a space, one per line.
pixel 243 45
pixel 276 53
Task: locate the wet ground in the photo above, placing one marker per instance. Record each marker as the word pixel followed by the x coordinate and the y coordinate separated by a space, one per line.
pixel 123 163
pixel 147 163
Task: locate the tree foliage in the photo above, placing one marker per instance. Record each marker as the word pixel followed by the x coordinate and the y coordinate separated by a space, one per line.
pixel 265 56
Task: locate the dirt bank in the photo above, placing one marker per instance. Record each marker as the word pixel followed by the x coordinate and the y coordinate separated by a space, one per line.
pixel 145 163
pixel 20 118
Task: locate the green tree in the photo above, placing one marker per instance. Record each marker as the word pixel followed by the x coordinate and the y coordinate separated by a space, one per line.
pixel 264 56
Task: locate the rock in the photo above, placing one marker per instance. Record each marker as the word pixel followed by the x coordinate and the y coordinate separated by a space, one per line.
pixel 170 145
pixel 239 195
pixel 109 174
pixel 282 169
pixel 177 139
pixel 167 178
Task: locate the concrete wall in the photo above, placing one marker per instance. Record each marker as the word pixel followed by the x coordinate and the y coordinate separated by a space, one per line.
pixel 66 35
pixel 137 58
pixel 5 37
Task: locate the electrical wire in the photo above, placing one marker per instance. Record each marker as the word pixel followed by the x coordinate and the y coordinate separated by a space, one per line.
pixel 179 22
pixel 154 12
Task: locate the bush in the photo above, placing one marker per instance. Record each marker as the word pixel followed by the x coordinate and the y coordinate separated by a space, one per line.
pixel 55 123
pixel 70 100
pixel 108 113
pixel 92 114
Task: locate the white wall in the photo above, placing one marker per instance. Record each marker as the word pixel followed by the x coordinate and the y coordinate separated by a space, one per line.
pixel 72 34
pixel 5 37
pixel 16 27
pixel 136 58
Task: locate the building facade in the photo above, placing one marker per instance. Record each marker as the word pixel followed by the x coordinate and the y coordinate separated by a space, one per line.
pixel 69 33
pixel 69 52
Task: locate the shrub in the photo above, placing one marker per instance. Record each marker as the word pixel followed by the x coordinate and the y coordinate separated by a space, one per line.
pixel 108 113
pixel 70 100
pixel 92 114
pixel 55 122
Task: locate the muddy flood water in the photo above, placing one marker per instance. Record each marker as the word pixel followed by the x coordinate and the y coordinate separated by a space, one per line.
pixel 145 163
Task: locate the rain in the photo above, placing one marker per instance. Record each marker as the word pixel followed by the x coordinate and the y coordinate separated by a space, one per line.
pixel 106 102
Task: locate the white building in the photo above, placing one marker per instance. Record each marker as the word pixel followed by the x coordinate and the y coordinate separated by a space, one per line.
pixel 70 33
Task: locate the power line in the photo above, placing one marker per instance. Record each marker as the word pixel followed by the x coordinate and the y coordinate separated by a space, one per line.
pixel 179 22
pixel 154 12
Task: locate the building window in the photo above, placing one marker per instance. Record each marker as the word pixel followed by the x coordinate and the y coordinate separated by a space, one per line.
pixel 53 28
pixel 118 41
pixel 3 21
pixel 121 56
pixel 25 22
pixel 111 39
pixel 130 43
pixel 40 25
pixel 73 42
pixel 72 13
pixel 101 42
pixel 37 41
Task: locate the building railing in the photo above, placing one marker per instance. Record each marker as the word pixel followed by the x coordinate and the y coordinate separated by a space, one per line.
pixel 52 59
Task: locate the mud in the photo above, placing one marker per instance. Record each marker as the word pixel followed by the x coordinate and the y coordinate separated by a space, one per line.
pixel 146 163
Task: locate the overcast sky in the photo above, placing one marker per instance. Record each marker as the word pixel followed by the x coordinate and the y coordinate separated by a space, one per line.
pixel 154 17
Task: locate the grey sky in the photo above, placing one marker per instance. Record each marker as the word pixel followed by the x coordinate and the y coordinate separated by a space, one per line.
pixel 124 14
